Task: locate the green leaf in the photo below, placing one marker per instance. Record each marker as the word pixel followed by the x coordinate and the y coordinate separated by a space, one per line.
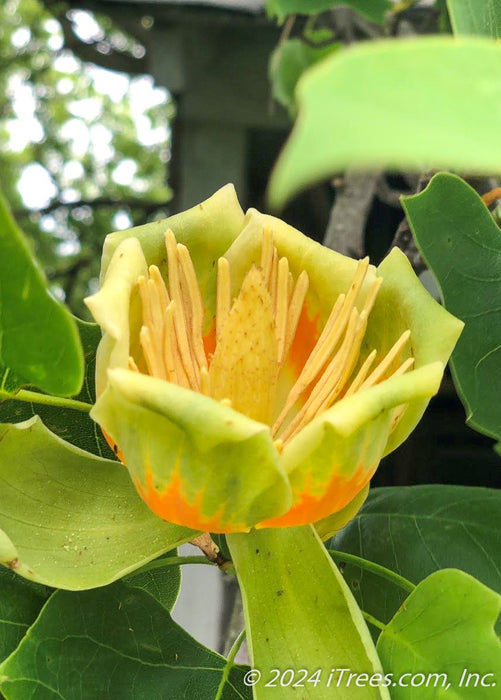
pixel 415 530
pixel 75 427
pixel 413 104
pixel 373 10
pixel 445 627
pixel 482 17
pixel 38 339
pixel 299 614
pixel 20 603
pixel 69 519
pixel 160 578
pixel 114 642
pixel 288 62
pixel 461 244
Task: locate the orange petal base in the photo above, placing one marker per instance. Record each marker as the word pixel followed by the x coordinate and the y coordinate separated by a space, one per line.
pixel 310 508
pixel 171 505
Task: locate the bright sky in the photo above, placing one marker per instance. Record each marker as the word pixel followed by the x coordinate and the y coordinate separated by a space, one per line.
pixel 36 185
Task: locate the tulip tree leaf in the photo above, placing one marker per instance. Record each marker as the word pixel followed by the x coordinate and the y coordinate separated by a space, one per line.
pixel 482 17
pixel 114 642
pixel 373 10
pixel 39 342
pixel 20 603
pixel 160 578
pixel 412 104
pixel 445 627
pixel 75 427
pixel 69 519
pixel 416 530
pixel 288 62
pixel 461 244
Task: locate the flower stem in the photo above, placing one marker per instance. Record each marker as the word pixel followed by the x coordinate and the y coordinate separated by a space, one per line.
pixel 46 399
pixel 375 568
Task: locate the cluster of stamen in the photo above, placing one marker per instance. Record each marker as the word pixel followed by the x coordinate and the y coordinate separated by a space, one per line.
pixel 172 339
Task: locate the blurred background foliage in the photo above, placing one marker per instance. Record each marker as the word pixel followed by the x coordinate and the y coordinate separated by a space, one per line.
pixel 83 151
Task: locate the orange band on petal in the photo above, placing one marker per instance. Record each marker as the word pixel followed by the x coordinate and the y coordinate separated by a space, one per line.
pixel 171 505
pixel 310 508
pixel 117 451
pixel 307 334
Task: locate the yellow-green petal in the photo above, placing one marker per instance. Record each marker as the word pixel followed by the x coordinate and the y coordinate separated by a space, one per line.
pixel 193 459
pixel 207 230
pixel 403 303
pixel 111 308
pixel 330 273
pixel 333 458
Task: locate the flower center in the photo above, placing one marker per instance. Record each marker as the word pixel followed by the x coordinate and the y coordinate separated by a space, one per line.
pixel 254 336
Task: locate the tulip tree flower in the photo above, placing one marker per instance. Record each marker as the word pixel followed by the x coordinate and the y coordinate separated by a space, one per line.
pixel 251 380
pixel 248 376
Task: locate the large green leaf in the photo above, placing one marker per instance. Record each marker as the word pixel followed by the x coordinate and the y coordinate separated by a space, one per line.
pixel 299 614
pixel 20 603
pixel 69 519
pixel 446 628
pixel 39 342
pixel 373 10
pixel 160 578
pixel 461 244
pixel 73 426
pixel 411 104
pixel 481 17
pixel 115 642
pixel 415 530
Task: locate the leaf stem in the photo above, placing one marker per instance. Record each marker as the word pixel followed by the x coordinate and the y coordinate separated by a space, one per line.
pixel 46 399
pixel 230 662
pixel 373 620
pixel 175 561
pixel 375 568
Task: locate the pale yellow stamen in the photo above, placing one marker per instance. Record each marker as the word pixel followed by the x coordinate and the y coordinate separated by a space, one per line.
pixel 327 382
pixel 170 349
pixel 386 362
pixel 295 308
pixel 132 365
pixel 254 335
pixel 197 314
pixel 223 295
pixel 267 255
pixel 281 307
pixel 361 374
pixel 274 278
pixel 205 381
pixel 180 322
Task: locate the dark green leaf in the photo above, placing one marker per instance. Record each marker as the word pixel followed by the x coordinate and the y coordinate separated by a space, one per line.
pixel 39 342
pixel 20 603
pixel 159 578
pixel 413 104
pixel 115 642
pixel 373 10
pixel 75 427
pixel 69 519
pixel 416 530
pixel 288 62
pixel 461 244
pixel 445 627
pixel 482 17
